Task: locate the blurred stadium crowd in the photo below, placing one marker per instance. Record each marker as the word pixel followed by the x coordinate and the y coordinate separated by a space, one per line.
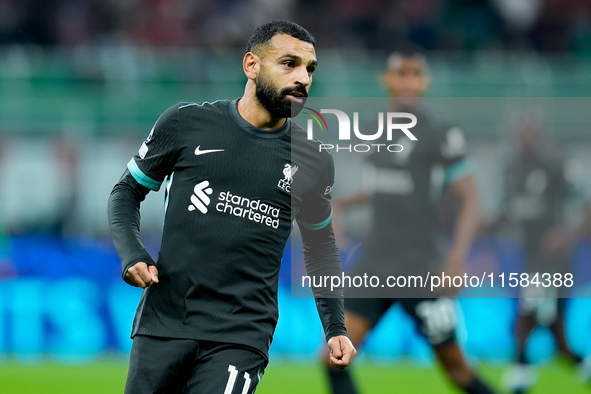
pixel 555 26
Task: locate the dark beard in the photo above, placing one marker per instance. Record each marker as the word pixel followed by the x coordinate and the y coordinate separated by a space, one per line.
pixel 276 102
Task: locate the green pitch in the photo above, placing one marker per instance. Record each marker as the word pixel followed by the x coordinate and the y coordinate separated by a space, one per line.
pixel 108 377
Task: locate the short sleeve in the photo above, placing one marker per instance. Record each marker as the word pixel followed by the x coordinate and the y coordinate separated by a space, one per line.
pixel 315 212
pixel 156 156
pixel 452 152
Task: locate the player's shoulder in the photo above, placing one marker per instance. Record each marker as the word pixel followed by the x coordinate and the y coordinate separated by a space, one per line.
pixel 205 106
pixel 181 113
pixel 185 107
pixel 436 121
pixel 298 134
pixel 312 146
pixel 553 159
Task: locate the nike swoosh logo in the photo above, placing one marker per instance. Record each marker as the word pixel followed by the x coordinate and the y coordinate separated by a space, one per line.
pixel 199 152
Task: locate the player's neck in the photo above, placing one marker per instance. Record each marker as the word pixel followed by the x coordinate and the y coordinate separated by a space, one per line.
pixel 251 110
pixel 404 103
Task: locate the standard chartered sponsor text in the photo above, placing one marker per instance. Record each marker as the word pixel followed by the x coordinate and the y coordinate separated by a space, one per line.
pixel 254 210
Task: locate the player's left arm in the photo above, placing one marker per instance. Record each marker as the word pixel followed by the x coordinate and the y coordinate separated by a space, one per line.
pixel 459 174
pixel 568 193
pixel 322 259
pixel 467 223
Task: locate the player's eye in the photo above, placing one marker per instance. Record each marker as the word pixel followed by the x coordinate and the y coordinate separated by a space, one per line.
pixel 289 63
pixel 311 70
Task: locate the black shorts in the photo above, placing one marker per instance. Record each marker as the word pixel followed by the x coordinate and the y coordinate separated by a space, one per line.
pixel 435 317
pixel 170 365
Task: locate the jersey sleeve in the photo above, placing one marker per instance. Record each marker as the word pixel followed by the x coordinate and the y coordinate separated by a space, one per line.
pixel 563 178
pixel 321 255
pixel 562 188
pixel 315 212
pixel 156 156
pixel 124 221
pixel 451 153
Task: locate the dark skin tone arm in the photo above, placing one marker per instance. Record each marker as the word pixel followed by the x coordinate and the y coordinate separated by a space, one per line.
pixel 467 224
pixel 339 206
pixel 465 230
pixel 142 275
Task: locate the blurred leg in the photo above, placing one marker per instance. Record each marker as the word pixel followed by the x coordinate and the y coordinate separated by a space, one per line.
pixel 559 331
pixel 454 363
pixel 521 375
pixel 437 321
pixel 341 382
pixel 452 360
pixel 524 325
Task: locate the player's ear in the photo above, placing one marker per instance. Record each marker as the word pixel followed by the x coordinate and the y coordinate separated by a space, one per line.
pixel 251 65
pixel 385 80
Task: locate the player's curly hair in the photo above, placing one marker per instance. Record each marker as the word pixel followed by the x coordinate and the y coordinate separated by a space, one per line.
pixel 406 51
pixel 267 31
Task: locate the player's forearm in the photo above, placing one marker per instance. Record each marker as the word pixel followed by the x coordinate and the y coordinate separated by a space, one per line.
pixel 331 312
pixel 467 224
pixel 349 201
pixel 124 220
pixel 322 259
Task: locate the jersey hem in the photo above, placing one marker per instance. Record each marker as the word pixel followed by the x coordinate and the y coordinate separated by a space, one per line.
pixel 191 335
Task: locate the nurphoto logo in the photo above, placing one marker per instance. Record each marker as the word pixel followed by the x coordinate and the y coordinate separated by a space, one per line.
pixel 394 124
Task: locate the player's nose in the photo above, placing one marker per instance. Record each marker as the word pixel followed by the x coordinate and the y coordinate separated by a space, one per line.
pixel 303 77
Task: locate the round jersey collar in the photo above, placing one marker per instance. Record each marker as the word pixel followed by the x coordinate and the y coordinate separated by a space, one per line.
pixel 249 128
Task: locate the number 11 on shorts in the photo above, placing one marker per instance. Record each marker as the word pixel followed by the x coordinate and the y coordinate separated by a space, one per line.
pixel 232 380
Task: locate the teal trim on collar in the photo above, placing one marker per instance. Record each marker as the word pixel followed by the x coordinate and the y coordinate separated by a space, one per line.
pixel 253 130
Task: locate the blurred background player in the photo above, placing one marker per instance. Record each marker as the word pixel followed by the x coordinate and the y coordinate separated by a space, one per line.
pixel 404 237
pixel 536 191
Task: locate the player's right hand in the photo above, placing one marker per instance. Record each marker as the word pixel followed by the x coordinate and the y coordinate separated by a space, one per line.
pixel 142 275
pixel 342 351
pixel 454 266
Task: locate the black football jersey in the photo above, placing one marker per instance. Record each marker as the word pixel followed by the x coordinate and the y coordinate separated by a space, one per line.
pixel 232 191
pixel 536 189
pixel 402 196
